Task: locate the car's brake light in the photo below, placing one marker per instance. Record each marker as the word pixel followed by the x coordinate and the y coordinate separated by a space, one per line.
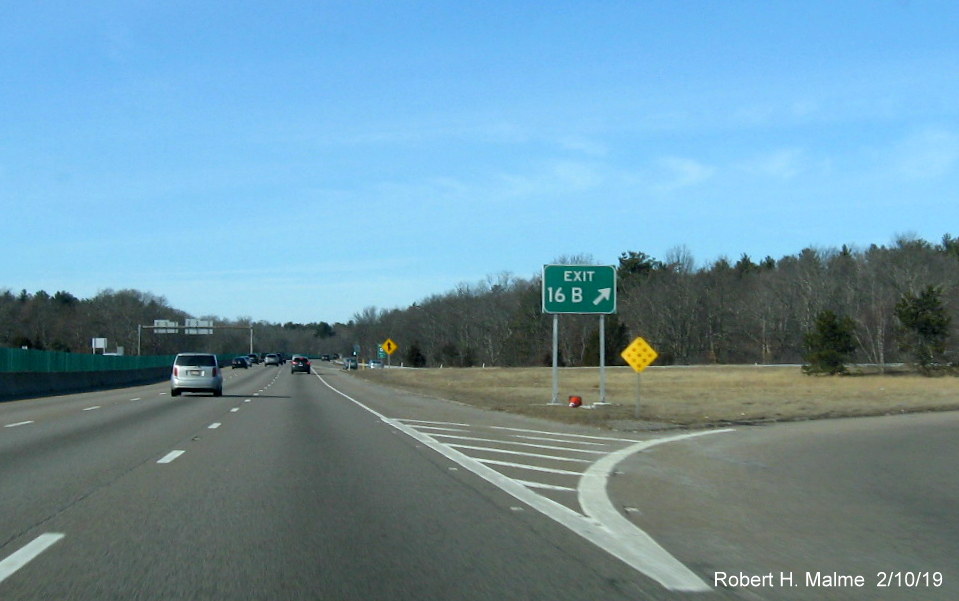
pixel 176 370
pixel 214 372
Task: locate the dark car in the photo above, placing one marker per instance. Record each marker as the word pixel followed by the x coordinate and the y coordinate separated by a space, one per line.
pixel 241 362
pixel 300 363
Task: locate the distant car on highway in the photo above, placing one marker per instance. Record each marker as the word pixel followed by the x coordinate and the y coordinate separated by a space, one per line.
pixel 271 359
pixel 196 372
pixel 241 362
pixel 375 364
pixel 349 363
pixel 300 363
pixel 253 358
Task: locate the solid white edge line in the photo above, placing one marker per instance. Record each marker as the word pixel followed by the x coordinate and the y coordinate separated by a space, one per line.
pixel 650 559
pixel 522 444
pixel 565 435
pixel 171 456
pixel 545 486
pixel 517 453
pixel 526 466
pixel 582 442
pixel 441 429
pixel 631 540
pixel 28 553
pixel 423 421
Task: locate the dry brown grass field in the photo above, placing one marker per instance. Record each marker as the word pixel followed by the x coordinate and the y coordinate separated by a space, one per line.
pixel 680 396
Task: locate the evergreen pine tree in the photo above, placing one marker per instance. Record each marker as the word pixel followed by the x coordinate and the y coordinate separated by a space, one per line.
pixel 830 346
pixel 925 327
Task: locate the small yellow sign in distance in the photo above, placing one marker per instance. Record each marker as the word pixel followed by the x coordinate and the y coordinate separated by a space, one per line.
pixel 389 346
pixel 639 354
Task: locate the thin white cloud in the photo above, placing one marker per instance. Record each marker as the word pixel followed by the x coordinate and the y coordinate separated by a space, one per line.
pixel 584 145
pixel 554 178
pixel 928 154
pixel 785 163
pixel 572 175
pixel 679 172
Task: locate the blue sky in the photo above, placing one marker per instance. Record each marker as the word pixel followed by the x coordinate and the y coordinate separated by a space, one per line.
pixel 300 161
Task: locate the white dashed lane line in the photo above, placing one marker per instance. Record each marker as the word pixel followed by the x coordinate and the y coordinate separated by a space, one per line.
pixel 18 424
pixel 171 457
pixel 28 553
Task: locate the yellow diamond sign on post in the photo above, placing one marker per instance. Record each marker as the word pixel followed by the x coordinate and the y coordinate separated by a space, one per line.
pixel 389 346
pixel 639 354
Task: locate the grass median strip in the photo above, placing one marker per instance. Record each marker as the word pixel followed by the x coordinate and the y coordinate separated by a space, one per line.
pixel 681 396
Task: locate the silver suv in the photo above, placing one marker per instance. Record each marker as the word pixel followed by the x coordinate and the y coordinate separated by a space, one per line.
pixel 196 372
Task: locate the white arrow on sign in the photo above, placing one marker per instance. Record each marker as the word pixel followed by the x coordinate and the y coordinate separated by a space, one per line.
pixel 604 294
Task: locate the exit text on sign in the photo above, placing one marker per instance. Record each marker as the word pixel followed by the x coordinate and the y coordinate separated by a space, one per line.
pixel 579 289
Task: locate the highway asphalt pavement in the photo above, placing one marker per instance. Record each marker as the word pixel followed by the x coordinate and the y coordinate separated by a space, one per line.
pixel 320 486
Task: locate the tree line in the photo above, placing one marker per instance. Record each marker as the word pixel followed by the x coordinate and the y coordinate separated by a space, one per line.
pixel 745 311
pixel 883 300
pixel 63 322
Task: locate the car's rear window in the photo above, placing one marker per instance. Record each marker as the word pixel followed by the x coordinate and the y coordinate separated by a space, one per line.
pixel 205 360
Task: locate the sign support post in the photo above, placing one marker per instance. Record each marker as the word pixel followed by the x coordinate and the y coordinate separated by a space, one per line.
pixel 602 359
pixel 639 355
pixel 579 290
pixel 555 400
pixel 639 378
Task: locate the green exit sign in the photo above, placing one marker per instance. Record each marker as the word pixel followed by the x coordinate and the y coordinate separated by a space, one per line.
pixel 579 289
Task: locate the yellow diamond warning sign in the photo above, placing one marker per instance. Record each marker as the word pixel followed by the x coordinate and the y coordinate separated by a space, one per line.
pixel 389 346
pixel 639 354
